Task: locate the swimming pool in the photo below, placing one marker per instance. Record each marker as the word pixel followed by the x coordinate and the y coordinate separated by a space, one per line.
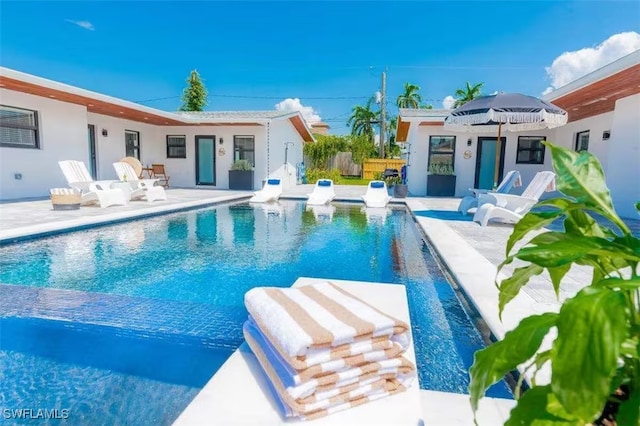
pixel 129 321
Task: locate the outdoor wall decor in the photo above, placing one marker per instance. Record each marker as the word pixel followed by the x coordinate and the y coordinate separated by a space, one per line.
pixel 467 154
pixel 221 152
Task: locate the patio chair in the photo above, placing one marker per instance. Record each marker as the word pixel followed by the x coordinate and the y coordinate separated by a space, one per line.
pixel 270 192
pixel 160 174
pixel 322 193
pixel 510 208
pixel 79 178
pixel 135 163
pixel 141 188
pixel 510 180
pixel 377 194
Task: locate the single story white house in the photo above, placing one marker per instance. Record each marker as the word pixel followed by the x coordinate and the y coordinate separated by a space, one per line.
pixel 603 117
pixel 43 122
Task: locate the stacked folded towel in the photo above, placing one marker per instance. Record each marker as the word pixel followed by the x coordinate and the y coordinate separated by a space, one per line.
pixel 324 350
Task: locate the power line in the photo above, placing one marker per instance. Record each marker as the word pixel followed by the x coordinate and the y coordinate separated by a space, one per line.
pixel 215 95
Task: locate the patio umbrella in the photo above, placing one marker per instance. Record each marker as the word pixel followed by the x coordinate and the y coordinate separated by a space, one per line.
pixel 505 111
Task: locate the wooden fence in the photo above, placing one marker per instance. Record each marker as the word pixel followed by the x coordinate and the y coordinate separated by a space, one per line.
pixel 377 165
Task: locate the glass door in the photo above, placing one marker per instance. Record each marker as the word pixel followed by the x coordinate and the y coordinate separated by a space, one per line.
pixel 205 160
pixel 93 166
pixel 486 162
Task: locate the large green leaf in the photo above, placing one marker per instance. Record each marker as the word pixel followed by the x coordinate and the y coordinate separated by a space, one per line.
pixel 532 221
pixel 510 287
pixel 591 329
pixel 539 407
pixel 580 223
pixel 620 283
pixel 520 344
pixel 580 175
pixel 556 275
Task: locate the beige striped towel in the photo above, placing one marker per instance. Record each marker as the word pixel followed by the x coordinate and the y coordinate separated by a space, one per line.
pixel 317 323
pixel 333 397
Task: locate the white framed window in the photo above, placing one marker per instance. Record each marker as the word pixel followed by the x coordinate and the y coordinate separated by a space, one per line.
pixel 19 127
pixel 244 149
pixel 582 141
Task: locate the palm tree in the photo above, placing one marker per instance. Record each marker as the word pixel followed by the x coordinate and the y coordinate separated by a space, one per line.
pixel 363 118
pixel 410 98
pixel 467 94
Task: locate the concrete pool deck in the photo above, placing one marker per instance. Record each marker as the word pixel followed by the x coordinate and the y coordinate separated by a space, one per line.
pixel 469 252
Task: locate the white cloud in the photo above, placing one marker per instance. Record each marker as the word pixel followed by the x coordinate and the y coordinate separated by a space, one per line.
pixel 447 102
pixel 83 24
pixel 572 65
pixel 309 114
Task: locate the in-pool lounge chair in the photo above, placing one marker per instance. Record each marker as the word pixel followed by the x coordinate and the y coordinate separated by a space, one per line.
pixel 377 194
pixel 270 192
pixel 510 208
pixel 510 180
pixel 79 178
pixel 322 193
pixel 140 188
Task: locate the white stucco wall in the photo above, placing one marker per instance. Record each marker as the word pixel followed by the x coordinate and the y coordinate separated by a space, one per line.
pixel 280 132
pixel 63 136
pixel 465 168
pixel 623 172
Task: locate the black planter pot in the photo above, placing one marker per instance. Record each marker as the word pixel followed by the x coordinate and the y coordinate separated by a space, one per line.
pixel 441 185
pixel 241 179
pixel 400 190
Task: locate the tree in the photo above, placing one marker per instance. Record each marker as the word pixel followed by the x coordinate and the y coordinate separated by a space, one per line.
pixel 194 96
pixel 467 94
pixel 363 118
pixel 410 98
pixel 362 148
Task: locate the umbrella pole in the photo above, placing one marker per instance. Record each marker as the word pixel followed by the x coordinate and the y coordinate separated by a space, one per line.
pixel 496 173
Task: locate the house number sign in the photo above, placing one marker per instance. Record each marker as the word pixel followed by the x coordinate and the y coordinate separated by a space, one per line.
pixel 467 154
pixel 221 152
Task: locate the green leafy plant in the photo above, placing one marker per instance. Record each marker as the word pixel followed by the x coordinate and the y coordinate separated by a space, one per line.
pixel 241 165
pixel 314 174
pixel 194 96
pixel 393 180
pixel 595 353
pixel 441 169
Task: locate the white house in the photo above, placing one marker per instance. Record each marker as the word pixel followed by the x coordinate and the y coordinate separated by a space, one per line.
pixel 43 122
pixel 603 117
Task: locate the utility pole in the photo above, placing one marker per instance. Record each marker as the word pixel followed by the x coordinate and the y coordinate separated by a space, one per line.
pixel 383 124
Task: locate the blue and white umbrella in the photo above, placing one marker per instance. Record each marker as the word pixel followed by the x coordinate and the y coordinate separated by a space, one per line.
pixel 511 112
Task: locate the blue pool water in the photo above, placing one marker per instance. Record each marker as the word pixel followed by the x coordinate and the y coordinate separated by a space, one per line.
pixel 128 322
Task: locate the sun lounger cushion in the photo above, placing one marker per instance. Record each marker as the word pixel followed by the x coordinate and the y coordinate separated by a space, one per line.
pixel 377 184
pixel 273 182
pixel 324 183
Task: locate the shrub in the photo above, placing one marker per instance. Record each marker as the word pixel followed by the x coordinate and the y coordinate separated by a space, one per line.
pixel 314 174
pixel 441 169
pixel 241 165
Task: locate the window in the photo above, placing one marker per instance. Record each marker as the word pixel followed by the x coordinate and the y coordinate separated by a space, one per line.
pixel 244 149
pixel 582 141
pixel 18 127
pixel 132 143
pixel 530 150
pixel 442 151
pixel 176 146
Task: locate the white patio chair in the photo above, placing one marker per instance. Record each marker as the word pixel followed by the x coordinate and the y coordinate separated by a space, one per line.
pixel 78 177
pixel 510 208
pixel 270 192
pixel 140 188
pixel 510 180
pixel 323 193
pixel 377 194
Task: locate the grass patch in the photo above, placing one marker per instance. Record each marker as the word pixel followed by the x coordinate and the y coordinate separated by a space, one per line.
pixel 349 180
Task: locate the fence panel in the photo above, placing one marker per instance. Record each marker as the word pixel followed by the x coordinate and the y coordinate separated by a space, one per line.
pixel 373 165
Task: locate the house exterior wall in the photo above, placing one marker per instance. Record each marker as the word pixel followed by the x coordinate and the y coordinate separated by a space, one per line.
pixel 280 132
pixel 623 176
pixel 465 168
pixel 62 135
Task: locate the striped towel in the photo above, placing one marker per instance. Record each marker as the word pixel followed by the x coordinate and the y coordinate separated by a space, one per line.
pixel 318 323
pixel 318 397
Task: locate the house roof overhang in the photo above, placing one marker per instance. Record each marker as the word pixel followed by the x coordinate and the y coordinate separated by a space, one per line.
pixel 596 93
pixel 107 105
pixel 418 117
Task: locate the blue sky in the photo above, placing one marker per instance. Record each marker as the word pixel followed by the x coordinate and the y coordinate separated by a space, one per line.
pixel 329 54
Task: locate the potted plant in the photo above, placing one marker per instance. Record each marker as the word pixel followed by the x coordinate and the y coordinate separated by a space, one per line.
pixel 241 175
pixel 595 356
pixel 392 183
pixel 441 181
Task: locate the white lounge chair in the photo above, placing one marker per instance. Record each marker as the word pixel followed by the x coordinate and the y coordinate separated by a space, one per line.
pixel 510 180
pixel 377 194
pixel 510 208
pixel 78 177
pixel 322 193
pixel 270 192
pixel 140 188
